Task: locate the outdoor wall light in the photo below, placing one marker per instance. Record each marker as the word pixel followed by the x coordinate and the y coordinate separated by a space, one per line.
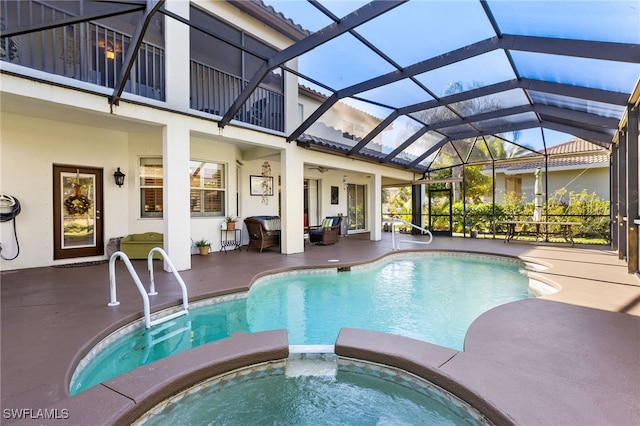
pixel 119 177
pixel 345 183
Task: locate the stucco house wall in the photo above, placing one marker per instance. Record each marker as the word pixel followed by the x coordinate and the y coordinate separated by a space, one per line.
pixel 60 120
pixel 595 179
pixel 30 148
pixel 572 166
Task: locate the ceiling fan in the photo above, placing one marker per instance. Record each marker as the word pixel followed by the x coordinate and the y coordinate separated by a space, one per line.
pixel 320 169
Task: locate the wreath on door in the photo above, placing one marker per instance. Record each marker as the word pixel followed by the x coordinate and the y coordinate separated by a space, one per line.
pixel 78 203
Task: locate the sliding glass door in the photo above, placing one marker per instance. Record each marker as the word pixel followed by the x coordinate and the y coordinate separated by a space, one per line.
pixel 311 203
pixel 356 206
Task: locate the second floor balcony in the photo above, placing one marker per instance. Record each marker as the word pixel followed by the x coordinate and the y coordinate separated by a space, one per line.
pixel 95 53
pixel 213 91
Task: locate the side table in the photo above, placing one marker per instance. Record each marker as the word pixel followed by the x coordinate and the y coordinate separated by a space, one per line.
pixel 230 238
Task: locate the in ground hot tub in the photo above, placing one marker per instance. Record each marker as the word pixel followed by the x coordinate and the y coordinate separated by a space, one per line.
pixel 315 389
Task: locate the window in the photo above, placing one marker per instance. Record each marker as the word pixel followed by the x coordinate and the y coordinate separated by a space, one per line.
pixel 207 193
pixel 207 181
pixel 513 185
pixel 151 182
pixel 352 131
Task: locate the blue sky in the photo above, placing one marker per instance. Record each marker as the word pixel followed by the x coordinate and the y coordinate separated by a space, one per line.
pixel 421 29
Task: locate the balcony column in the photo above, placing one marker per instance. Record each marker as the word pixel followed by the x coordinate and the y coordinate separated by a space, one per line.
pixel 177 60
pixel 292 193
pixel 176 214
pixel 291 115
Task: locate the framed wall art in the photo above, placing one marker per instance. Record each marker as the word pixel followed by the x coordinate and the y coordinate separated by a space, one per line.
pixel 335 195
pixel 261 185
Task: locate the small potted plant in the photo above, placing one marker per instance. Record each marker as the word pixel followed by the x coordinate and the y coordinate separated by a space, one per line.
pixel 473 232
pixel 203 246
pixel 231 222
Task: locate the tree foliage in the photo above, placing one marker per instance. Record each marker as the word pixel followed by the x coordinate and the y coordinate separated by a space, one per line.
pixel 587 208
pixel 477 184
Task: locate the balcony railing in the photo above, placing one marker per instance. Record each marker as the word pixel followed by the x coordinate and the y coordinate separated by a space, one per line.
pixel 85 51
pixel 94 53
pixel 213 91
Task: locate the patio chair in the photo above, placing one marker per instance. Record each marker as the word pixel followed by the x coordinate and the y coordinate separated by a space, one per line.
pixel 264 231
pixel 328 232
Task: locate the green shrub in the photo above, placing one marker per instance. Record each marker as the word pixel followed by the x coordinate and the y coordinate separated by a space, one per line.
pixel 582 207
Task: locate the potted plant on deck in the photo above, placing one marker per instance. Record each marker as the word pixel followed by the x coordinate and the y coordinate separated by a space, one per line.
pixel 231 222
pixel 203 246
pixel 473 232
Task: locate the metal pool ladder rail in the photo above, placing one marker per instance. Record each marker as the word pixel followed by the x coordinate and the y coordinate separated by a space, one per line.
pixel 393 232
pixel 152 290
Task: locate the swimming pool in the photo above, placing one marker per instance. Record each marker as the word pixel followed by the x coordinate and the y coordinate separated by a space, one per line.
pixel 433 298
pixel 312 389
pixel 428 297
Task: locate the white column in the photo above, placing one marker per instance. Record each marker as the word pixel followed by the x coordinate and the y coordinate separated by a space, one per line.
pixel 375 207
pixel 292 235
pixel 176 215
pixel 177 65
pixel 292 121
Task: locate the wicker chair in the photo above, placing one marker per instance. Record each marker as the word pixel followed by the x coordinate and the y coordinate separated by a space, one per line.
pixel 264 231
pixel 328 232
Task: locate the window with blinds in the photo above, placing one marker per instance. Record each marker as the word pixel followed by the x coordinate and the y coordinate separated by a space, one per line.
pixel 151 182
pixel 207 181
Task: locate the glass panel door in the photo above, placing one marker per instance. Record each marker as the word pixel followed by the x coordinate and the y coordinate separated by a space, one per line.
pixel 440 212
pixel 77 212
pixel 311 203
pixel 356 206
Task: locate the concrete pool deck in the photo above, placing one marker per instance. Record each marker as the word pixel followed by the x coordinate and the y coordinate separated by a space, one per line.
pixel 569 358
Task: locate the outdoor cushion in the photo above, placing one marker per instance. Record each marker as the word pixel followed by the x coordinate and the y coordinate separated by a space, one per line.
pixel 138 246
pixel 264 231
pixel 327 232
pixel 271 224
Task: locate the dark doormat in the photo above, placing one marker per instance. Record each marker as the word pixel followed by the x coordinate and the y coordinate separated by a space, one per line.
pixel 78 265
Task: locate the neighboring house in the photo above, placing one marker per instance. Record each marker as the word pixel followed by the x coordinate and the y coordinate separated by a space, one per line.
pixel 342 123
pixel 574 166
pixel 65 132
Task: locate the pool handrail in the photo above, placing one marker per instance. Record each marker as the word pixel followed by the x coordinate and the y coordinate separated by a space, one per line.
pixel 145 297
pixel 136 279
pixel 152 341
pixel 393 232
pixel 152 287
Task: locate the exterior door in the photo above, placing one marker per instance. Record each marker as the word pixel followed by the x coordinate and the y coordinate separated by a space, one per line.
pixel 77 212
pixel 311 204
pixel 440 212
pixel 356 207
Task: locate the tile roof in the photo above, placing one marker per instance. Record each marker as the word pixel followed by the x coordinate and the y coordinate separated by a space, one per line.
pixel 586 154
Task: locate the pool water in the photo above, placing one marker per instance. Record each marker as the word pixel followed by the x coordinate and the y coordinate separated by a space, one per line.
pixel 354 394
pixel 430 298
pixel 433 298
